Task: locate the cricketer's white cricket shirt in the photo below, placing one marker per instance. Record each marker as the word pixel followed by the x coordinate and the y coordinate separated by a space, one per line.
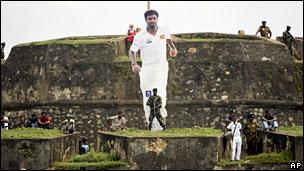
pixel 153 49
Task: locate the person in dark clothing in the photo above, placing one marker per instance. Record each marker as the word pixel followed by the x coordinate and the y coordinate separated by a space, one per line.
pixel 32 122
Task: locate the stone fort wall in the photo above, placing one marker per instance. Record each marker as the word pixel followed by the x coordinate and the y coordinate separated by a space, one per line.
pixel 91 78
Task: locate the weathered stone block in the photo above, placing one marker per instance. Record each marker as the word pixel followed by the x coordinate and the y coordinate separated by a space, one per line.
pixel 37 154
pixel 277 142
pixel 164 152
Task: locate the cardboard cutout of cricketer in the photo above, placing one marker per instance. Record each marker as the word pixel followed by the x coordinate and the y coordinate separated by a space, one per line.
pixel 153 73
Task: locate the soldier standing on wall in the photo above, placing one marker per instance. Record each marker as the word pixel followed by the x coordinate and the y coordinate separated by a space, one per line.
pixel 290 41
pixel 155 103
pixel 264 30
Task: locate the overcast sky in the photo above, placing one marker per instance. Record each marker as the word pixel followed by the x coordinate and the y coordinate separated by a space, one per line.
pixel 35 21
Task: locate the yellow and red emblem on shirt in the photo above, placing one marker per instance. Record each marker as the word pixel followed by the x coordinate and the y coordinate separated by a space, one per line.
pixel 162 36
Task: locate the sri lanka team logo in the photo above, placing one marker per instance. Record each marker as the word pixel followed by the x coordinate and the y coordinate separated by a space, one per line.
pixel 148 93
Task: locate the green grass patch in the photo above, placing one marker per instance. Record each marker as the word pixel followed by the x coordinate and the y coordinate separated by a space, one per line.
pixel 172 132
pixel 94 157
pixel 96 160
pixel 295 130
pixel 282 157
pixel 264 158
pixel 97 165
pixel 67 41
pixel 31 133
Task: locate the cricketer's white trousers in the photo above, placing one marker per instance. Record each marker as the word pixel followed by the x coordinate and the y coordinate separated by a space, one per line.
pixel 154 76
pixel 236 148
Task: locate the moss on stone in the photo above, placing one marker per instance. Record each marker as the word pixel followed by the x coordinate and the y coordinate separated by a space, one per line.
pixel 299 78
pixel 228 40
pixel 26 152
pixel 174 88
pixel 77 40
pixel 295 130
pixel 125 59
pixel 124 68
pixel 264 158
pixel 31 133
pixel 123 65
pixel 173 132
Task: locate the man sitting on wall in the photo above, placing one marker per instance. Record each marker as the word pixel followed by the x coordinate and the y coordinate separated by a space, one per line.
pixel 68 125
pixel 44 121
pixel 270 122
pixel 117 122
pixel 32 122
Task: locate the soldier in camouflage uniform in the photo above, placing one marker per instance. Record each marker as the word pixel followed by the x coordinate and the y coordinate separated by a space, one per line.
pixel 290 41
pixel 155 103
pixel 250 131
pixel 264 30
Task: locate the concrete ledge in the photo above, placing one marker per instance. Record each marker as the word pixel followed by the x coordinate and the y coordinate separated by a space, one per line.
pixel 277 142
pixel 271 142
pixel 202 153
pixel 37 154
pixel 163 152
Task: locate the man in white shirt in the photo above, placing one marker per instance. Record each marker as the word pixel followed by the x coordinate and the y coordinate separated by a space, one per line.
pixel 153 73
pixel 4 121
pixel 117 122
pixel 235 127
pixel 69 124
